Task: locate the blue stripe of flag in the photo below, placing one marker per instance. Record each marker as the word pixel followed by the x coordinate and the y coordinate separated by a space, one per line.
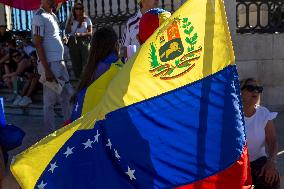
pixel 78 105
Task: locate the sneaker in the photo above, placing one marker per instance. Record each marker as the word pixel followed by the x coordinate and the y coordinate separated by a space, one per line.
pixel 17 100
pixel 25 101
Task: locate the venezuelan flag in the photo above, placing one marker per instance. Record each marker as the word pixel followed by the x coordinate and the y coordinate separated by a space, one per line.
pixel 88 98
pixel 170 118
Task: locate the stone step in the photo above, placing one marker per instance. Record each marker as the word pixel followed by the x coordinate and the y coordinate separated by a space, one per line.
pixel 37 96
pixel 34 109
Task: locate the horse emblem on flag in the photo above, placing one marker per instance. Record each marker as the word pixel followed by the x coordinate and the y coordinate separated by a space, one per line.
pixel 168 56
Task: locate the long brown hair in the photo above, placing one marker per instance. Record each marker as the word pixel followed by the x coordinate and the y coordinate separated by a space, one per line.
pixel 103 44
pixel 80 20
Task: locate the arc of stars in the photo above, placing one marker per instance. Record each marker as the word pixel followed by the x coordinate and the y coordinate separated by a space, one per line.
pixel 130 173
pixel 97 137
pixel 109 144
pixel 41 185
pixel 116 154
pixel 52 167
pixel 88 144
pixel 68 151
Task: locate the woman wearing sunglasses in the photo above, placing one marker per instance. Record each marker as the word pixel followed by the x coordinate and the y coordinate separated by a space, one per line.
pixel 11 76
pixel 79 28
pixel 261 137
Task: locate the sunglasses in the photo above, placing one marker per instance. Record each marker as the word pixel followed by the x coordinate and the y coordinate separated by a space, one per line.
pixel 252 88
pixel 78 8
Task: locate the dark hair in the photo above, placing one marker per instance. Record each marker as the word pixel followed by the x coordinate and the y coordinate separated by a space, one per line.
pixel 244 82
pixel 75 16
pixel 103 44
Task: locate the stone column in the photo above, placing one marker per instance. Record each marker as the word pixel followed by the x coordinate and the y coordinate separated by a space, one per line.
pixel 2 14
pixel 231 15
pixel 5 16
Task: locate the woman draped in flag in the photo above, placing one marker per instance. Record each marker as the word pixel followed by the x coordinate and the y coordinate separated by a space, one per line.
pixel 103 54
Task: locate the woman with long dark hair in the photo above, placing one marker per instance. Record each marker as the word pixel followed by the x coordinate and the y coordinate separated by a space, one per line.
pixel 79 28
pixel 104 52
pixel 103 64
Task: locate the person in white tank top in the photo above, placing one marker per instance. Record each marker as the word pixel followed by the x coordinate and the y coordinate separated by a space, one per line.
pixel 261 137
pixel 79 28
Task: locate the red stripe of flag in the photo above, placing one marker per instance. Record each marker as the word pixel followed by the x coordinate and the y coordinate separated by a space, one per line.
pixel 235 177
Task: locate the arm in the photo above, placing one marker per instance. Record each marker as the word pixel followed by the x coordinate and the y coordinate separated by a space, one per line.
pixel 20 68
pixel 68 24
pixel 88 33
pixel 38 40
pixel 38 30
pixel 124 42
pixel 5 58
pixel 271 142
pixel 269 170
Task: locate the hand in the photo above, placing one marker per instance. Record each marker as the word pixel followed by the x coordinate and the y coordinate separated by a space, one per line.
pixel 269 172
pixel 65 39
pixel 78 34
pixel 123 52
pixel 49 75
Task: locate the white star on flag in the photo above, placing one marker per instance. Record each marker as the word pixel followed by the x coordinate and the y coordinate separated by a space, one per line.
pixel 97 137
pixel 88 144
pixel 109 144
pixel 130 173
pixel 116 154
pixel 52 167
pixel 41 185
pixel 76 107
pixel 68 151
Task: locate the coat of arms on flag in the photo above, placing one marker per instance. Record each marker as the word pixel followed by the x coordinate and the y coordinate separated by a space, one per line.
pixel 175 59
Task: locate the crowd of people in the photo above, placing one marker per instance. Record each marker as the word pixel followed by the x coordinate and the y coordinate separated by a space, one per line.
pixel 24 65
pixel 18 67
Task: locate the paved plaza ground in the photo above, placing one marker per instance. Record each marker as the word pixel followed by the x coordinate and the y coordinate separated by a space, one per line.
pixel 34 132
